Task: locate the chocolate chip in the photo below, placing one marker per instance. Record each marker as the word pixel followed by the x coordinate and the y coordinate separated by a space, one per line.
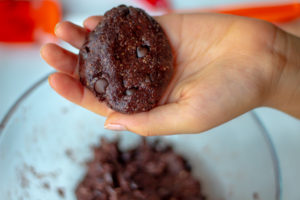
pixel 133 185
pixel 87 49
pixel 108 178
pixel 147 79
pixel 85 55
pixel 130 91
pixel 141 51
pixel 124 10
pixel 100 85
pixel 152 77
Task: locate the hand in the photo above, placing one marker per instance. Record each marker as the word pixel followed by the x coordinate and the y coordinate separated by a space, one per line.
pixel 224 66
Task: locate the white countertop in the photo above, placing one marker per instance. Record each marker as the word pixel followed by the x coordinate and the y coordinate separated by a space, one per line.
pixel 21 67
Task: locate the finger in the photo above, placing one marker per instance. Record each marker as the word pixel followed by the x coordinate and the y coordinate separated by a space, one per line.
pixel 60 59
pixel 72 90
pixel 163 120
pixel 71 33
pixel 91 22
pixel 292 27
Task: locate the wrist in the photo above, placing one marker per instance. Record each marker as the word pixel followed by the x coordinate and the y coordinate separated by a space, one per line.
pixel 284 91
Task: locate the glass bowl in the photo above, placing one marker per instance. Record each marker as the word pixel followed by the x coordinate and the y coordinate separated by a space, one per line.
pixel 45 141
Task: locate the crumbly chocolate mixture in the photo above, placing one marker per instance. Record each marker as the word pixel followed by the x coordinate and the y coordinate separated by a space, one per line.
pixel 147 172
pixel 127 60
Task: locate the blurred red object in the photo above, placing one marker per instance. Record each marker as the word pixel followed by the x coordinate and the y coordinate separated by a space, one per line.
pixel 27 20
pixel 161 4
pixel 271 13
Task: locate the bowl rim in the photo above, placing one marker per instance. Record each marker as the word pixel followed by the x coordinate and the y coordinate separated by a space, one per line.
pixel 265 133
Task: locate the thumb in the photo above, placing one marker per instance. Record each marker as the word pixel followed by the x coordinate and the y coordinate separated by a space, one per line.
pixel 167 119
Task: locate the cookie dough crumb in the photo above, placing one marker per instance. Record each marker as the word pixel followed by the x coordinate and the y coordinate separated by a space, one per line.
pixel 148 171
pixel 61 192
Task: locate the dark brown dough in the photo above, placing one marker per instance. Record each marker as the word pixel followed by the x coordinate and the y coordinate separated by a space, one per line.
pixel 127 60
pixel 147 172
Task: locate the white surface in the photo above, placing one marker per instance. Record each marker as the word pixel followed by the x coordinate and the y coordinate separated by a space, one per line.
pixel 20 68
pixel 45 127
pixel 285 132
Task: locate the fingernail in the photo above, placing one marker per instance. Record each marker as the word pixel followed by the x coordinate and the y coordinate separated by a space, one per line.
pixel 49 79
pixel 115 127
pixel 56 26
pixel 41 49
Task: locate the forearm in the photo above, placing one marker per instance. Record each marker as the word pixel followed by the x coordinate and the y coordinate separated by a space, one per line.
pixel 285 93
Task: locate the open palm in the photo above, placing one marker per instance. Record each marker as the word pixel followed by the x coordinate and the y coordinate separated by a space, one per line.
pixel 222 69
